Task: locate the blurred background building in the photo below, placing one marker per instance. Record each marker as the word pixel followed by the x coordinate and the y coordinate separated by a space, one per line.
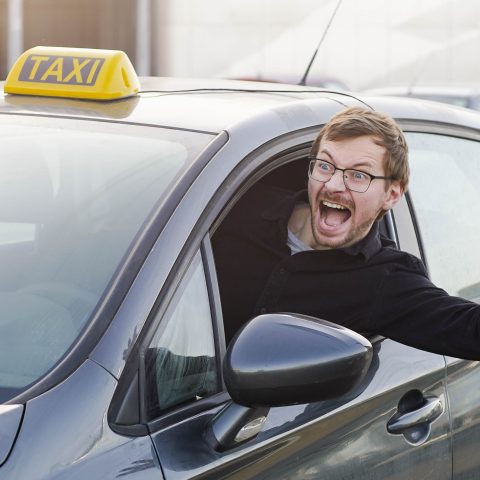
pixel 370 43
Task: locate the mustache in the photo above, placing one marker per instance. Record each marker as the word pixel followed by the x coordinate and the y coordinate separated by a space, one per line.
pixel 342 200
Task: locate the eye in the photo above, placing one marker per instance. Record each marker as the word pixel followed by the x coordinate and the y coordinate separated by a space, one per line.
pixel 324 166
pixel 358 176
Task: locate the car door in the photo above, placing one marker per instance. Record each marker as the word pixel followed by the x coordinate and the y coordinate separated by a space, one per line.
pixel 445 196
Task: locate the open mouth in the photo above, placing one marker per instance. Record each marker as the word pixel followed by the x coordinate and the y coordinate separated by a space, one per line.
pixel 334 214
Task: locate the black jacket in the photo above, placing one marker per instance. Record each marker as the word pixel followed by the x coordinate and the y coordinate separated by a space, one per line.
pixel 371 287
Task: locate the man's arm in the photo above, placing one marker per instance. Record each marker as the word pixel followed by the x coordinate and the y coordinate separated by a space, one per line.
pixel 412 310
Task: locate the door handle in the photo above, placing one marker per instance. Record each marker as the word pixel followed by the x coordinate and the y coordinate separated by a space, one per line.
pixel 427 413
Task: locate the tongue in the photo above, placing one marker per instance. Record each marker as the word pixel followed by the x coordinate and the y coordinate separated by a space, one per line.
pixel 334 217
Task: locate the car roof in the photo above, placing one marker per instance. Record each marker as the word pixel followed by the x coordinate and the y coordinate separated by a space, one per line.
pixel 214 105
pixel 196 104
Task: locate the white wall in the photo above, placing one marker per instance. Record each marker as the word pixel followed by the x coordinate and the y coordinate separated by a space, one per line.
pixel 370 43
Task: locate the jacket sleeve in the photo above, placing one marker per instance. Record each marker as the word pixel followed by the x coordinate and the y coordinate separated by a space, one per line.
pixel 410 309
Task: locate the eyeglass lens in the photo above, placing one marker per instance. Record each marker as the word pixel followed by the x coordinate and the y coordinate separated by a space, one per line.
pixel 354 180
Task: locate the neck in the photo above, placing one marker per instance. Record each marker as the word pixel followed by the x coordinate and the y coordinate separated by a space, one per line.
pixel 300 224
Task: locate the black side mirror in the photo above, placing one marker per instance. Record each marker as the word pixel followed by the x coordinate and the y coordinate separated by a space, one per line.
pixel 285 359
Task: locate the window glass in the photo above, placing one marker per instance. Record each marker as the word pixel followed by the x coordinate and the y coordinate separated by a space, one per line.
pixel 73 196
pixel 445 190
pixel 180 361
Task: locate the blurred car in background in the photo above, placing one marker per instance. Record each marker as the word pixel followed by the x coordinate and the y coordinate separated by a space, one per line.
pixel 467 97
pixel 326 82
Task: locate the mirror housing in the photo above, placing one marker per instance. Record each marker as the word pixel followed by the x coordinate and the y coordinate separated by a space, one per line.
pixel 285 359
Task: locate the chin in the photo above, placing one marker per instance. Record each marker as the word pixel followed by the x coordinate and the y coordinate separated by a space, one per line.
pixel 343 240
pixel 323 242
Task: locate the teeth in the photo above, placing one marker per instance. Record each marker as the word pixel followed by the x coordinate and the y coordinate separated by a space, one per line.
pixel 333 205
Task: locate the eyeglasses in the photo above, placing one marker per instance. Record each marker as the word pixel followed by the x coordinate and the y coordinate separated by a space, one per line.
pixel 354 180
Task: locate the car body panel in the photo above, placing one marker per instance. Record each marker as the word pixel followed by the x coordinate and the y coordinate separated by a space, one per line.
pixel 65 434
pixel 463 397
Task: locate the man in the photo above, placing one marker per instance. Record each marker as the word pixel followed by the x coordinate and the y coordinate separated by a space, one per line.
pixel 320 252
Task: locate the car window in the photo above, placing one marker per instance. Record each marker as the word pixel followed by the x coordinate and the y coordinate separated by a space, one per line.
pixel 445 190
pixel 180 360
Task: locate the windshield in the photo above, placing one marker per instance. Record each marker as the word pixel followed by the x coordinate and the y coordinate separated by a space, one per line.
pixel 73 195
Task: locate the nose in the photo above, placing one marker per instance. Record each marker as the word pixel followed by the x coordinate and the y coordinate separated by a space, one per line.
pixel 336 183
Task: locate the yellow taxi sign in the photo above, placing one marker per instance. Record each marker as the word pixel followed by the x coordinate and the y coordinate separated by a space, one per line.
pixel 74 73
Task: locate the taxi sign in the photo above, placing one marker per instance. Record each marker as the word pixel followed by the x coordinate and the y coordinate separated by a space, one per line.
pixel 73 73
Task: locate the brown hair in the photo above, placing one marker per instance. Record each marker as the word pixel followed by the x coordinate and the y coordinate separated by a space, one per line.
pixel 358 121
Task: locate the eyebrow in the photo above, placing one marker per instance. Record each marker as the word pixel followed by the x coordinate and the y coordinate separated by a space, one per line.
pixel 355 166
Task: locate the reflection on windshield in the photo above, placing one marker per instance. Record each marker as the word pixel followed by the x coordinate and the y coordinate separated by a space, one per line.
pixel 72 197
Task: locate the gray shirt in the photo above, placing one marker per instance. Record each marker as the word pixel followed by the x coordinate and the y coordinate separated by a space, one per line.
pixel 295 244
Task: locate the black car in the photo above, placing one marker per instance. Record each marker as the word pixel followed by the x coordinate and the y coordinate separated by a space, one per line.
pixel 113 360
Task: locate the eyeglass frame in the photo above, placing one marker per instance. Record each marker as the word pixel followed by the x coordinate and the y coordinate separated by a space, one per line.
pixel 335 168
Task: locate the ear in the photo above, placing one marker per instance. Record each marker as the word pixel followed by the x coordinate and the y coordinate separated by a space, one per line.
pixel 392 195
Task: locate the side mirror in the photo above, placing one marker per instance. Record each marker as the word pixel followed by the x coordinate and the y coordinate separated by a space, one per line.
pixel 285 359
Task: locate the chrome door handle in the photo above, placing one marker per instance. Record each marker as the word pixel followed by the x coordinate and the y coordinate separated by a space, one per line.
pixel 427 413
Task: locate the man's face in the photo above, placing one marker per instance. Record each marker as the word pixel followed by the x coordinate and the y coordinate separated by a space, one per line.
pixel 340 217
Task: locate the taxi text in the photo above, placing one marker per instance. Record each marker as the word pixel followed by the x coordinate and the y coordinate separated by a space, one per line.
pixel 61 69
